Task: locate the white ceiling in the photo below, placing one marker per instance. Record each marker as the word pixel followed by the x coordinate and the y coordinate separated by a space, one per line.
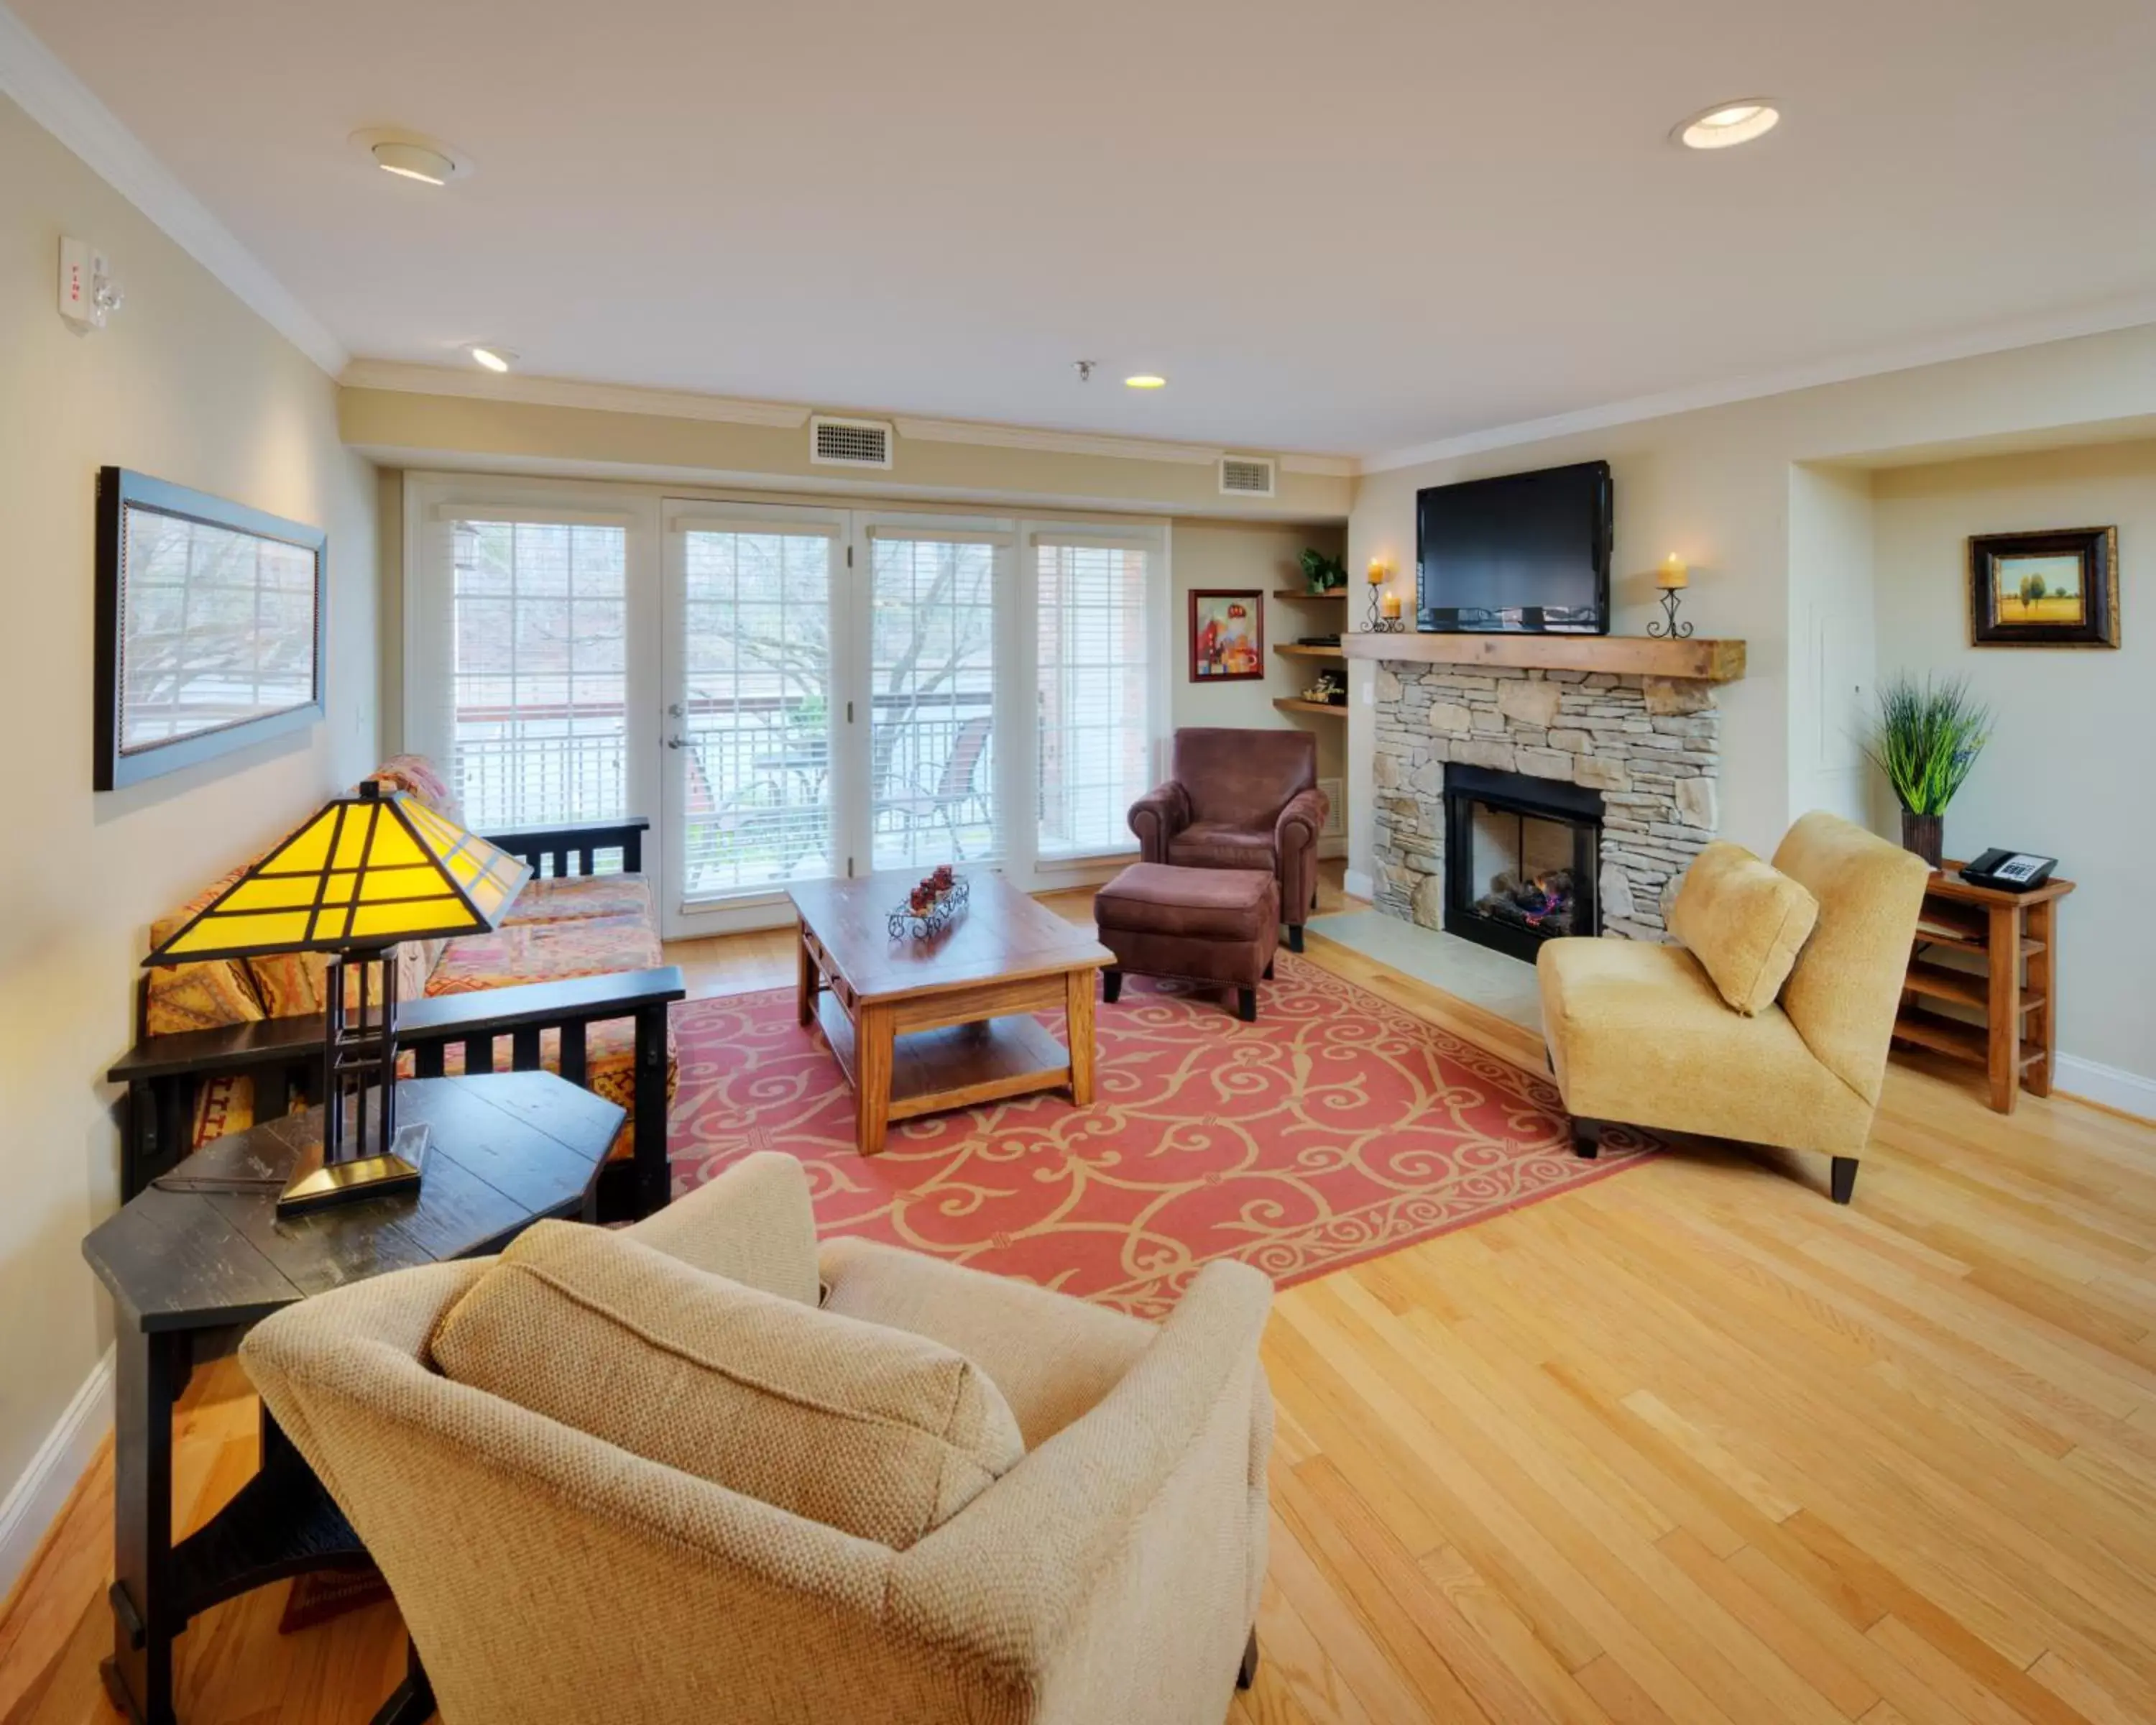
pixel 1346 227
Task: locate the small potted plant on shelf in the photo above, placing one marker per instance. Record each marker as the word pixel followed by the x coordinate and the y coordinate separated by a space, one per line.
pixel 1322 574
pixel 1926 739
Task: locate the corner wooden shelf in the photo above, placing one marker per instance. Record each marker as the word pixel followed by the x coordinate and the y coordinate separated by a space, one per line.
pixel 1296 650
pixel 1290 592
pixel 1700 661
pixel 1298 704
pixel 2016 1037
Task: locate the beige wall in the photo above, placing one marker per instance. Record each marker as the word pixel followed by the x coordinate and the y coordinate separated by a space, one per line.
pixel 1719 487
pixel 1233 554
pixel 188 385
pixel 2067 771
pixel 454 432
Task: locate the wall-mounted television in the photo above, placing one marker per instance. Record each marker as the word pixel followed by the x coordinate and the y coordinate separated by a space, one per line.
pixel 1527 553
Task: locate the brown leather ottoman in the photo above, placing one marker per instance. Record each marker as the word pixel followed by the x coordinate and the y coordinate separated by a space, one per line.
pixel 1205 925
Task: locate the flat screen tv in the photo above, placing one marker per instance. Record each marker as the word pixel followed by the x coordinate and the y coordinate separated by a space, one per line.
pixel 1525 554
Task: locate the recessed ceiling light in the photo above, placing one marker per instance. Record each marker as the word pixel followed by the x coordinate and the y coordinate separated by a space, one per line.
pixel 1728 123
pixel 410 156
pixel 1145 380
pixel 494 358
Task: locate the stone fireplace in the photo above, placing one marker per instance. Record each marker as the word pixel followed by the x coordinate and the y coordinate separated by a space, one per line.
pixel 1648 748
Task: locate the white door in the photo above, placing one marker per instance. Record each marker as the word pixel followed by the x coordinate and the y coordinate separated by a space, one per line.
pixel 754 640
pixel 830 700
pixel 937 591
pixel 528 608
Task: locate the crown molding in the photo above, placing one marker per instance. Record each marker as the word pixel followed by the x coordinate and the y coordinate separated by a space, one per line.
pixel 401 378
pixel 45 90
pixel 1997 338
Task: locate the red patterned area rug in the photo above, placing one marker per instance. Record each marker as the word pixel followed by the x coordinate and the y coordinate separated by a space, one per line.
pixel 1336 1128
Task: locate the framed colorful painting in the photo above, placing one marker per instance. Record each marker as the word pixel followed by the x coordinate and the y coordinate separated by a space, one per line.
pixel 1227 636
pixel 2055 589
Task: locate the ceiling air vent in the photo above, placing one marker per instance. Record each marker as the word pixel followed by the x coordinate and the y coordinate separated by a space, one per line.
pixel 848 443
pixel 1246 476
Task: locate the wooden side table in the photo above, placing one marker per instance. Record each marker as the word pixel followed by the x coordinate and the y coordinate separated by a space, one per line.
pixel 202 1250
pixel 2016 1040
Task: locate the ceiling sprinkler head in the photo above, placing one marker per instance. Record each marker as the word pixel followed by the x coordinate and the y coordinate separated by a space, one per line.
pixel 1084 367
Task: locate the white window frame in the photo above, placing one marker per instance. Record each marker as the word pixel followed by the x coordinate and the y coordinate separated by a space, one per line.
pixel 755 906
pixel 431 500
pixel 1156 540
pixel 645 509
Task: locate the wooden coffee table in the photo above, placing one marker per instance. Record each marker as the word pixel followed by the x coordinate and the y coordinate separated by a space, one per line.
pixel 921 1026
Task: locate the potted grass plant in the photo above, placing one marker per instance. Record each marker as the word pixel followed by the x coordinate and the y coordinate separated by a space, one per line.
pixel 1926 739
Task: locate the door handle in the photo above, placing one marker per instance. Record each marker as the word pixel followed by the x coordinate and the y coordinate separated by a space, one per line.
pixel 678 743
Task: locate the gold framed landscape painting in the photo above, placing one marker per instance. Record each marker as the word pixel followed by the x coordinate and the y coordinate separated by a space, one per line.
pixel 2054 589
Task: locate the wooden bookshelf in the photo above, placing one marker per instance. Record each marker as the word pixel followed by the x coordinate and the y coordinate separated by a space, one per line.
pixel 1296 650
pixel 1297 704
pixel 1315 599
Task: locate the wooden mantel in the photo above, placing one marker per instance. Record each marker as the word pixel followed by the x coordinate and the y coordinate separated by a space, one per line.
pixel 1700 661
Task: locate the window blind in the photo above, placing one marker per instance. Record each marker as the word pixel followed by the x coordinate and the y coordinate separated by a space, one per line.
pixel 1095 649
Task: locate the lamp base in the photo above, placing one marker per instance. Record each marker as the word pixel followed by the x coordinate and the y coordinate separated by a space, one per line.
pixel 397 1170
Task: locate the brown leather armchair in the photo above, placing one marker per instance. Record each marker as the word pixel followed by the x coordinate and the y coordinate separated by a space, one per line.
pixel 1240 799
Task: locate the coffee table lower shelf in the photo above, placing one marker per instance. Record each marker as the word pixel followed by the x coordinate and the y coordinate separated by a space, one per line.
pixel 956 1066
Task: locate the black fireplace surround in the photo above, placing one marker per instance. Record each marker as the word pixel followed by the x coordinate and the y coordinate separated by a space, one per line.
pixel 1521 856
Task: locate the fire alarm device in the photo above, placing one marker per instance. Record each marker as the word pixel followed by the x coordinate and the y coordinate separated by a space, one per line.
pixel 87 294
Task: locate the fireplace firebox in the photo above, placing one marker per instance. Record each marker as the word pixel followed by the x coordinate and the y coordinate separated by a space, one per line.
pixel 1521 859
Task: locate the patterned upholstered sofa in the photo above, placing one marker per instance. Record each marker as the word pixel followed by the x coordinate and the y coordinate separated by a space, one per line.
pixel 236 1031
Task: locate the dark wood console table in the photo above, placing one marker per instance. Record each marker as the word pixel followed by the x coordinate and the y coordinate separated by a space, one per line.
pixel 2016 1040
pixel 201 1251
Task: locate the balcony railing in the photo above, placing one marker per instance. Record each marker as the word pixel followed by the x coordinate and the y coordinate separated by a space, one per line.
pixel 758 787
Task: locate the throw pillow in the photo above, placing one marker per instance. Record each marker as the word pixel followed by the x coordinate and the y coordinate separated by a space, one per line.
pixel 1744 921
pixel 873 1431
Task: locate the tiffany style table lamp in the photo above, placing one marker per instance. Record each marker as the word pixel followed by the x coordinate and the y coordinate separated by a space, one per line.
pixel 368 871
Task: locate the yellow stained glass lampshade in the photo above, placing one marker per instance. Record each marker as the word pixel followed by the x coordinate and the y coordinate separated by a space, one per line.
pixel 367 871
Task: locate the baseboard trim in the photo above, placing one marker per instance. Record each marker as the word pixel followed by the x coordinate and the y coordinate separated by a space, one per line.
pixel 35 1499
pixel 1359 885
pixel 2111 1087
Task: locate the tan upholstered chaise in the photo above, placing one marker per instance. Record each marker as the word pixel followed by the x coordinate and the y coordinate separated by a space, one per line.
pixel 1110 1575
pixel 1641 1034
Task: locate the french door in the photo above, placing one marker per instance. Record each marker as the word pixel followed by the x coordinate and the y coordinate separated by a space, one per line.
pixel 831 699
pixel 791 692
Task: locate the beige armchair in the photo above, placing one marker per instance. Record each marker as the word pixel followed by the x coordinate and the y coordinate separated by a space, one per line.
pixel 1112 1573
pixel 1639 1033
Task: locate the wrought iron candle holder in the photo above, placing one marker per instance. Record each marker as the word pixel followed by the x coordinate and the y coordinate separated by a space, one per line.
pixel 1673 577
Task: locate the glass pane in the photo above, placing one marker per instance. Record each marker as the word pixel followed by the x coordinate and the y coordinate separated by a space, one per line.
pixel 218 628
pixel 756 649
pixel 540 708
pixel 931 739
pixel 1094 647
pixel 1521 870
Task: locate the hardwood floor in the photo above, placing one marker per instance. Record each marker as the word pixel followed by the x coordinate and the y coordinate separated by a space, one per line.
pixel 1688 1444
